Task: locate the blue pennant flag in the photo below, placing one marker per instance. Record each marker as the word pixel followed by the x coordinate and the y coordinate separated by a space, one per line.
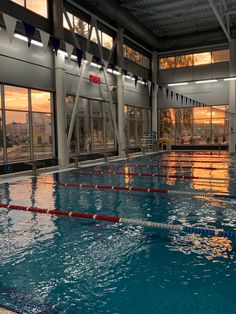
pixel 79 53
pixel 167 92
pixel 171 94
pixel 177 96
pixel 135 79
pixel 182 97
pixel 55 43
pixel 29 31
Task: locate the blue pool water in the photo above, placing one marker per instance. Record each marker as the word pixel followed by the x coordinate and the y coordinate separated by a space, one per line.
pixel 68 265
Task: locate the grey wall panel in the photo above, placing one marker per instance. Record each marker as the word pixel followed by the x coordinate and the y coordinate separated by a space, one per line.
pixel 23 66
pixel 16 72
pixel 203 72
pixel 136 95
pixel 210 94
pixel 88 89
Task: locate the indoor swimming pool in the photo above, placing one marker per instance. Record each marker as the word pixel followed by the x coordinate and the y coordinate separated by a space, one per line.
pixel 58 264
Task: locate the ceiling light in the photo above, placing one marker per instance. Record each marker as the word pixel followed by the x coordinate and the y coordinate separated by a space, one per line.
pixel 206 81
pixel 93 64
pixel 230 79
pixel 24 38
pixel 178 84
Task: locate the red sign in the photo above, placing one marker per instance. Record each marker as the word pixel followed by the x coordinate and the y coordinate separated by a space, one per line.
pixel 95 79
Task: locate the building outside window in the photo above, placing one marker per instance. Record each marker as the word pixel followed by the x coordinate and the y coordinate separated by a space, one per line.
pixel 27 117
pixel 195 59
pixel 82 28
pixel 136 56
pixel 195 126
pixel 94 129
pixel 38 6
pixel 137 124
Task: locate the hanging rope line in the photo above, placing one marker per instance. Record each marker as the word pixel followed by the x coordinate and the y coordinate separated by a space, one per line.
pixel 129 221
pixel 139 174
pixel 148 190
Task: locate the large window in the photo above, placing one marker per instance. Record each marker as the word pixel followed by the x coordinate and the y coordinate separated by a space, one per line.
pixel 28 124
pixel 195 126
pixel 38 6
pixel 137 124
pixel 136 57
pixel 94 129
pixel 82 28
pixel 194 59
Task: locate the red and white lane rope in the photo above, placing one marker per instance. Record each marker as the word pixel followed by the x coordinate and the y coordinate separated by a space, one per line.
pixel 148 190
pixel 129 221
pixel 140 174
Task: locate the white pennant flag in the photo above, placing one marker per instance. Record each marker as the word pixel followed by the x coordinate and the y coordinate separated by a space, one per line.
pixel 44 38
pixel 106 64
pixel 69 50
pixel 149 87
pixel 89 57
pixel 157 87
pixel 10 23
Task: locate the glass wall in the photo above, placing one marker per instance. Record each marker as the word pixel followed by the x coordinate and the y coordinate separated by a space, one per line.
pixel 137 124
pixel 194 59
pixel 195 126
pixel 94 129
pixel 136 57
pixel 82 28
pixel 26 124
pixel 38 6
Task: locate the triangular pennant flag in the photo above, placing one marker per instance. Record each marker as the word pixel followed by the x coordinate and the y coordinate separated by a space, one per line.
pixel 167 92
pixel 106 64
pixel 135 79
pixel 186 100
pixel 29 31
pixel 171 94
pixel 182 97
pixel 89 57
pixel 69 50
pixel 55 43
pixel 164 92
pixel 79 53
pixel 10 23
pixel 44 38
pixel 177 97
pixel 149 87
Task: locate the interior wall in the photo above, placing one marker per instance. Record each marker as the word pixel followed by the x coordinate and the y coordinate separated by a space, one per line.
pixel 23 66
pixel 209 93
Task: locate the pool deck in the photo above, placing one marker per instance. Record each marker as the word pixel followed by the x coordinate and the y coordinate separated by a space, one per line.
pixel 24 175
pixel 4 311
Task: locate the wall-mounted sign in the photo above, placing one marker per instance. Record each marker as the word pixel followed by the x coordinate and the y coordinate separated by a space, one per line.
pixel 95 79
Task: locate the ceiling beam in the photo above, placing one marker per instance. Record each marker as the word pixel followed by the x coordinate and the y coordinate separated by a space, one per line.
pixel 220 20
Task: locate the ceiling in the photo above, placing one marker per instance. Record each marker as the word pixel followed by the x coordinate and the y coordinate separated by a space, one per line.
pixel 171 24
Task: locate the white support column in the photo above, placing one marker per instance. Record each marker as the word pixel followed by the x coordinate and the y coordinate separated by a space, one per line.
pixel 232 98
pixel 120 91
pixel 154 93
pixel 63 153
pixel 59 61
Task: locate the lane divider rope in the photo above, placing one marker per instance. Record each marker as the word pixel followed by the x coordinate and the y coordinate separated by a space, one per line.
pixel 139 189
pixel 153 175
pixel 129 221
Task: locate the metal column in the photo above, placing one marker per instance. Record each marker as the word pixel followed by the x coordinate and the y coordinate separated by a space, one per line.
pixel 232 98
pixel 154 93
pixel 120 91
pixel 63 154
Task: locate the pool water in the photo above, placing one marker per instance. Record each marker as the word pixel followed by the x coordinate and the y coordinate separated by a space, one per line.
pixel 54 264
